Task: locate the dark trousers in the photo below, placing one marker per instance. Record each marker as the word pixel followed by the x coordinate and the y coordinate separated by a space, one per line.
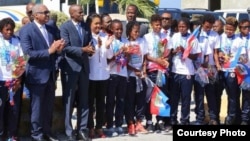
pixel 42 103
pixel 199 101
pixel 181 90
pixel 75 89
pixel 245 114
pixel 233 94
pixel 210 91
pixel 135 102
pixel 9 115
pixel 117 86
pixel 97 93
pixel 153 76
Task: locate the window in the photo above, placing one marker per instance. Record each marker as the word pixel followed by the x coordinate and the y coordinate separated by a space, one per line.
pixel 243 16
pixel 70 2
pixel 231 15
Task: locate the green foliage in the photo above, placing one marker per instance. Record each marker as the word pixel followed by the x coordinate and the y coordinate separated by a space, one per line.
pixel 61 17
pixel 17 26
pixel 146 8
pixel 84 2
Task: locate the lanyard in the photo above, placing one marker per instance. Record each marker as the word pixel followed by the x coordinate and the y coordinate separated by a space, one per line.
pixel 246 44
pixel 116 45
pixel 6 50
pixel 226 48
pixel 155 44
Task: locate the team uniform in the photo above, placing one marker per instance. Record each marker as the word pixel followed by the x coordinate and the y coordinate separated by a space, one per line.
pixel 182 79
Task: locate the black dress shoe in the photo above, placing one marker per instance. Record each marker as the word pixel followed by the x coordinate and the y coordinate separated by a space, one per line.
pixel 50 138
pixel 40 139
pixel 83 136
pixel 70 138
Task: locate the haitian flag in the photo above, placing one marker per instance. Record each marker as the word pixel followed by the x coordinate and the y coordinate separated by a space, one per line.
pixel 190 41
pixel 243 72
pixel 235 64
pixel 158 103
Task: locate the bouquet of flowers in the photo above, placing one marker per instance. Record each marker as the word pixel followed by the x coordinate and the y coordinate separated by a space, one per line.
pixel 161 47
pixel 17 68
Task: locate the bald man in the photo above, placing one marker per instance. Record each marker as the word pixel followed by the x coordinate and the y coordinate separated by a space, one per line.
pixel 131 14
pixel 25 20
pixel 75 71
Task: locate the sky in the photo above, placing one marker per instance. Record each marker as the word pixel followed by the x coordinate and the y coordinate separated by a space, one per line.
pixel 170 4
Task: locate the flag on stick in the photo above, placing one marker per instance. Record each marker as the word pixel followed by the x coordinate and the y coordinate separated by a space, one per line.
pixel 158 104
pixel 190 41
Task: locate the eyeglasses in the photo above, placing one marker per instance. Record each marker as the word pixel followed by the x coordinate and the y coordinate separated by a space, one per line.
pixel 245 27
pixel 44 12
pixel 29 12
pixel 166 18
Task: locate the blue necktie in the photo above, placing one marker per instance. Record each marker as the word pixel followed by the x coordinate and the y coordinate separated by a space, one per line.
pixel 78 27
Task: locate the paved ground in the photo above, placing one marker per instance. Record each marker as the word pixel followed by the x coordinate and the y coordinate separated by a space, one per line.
pixel 139 137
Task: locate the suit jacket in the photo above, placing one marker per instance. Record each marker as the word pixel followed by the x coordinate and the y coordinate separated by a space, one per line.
pixel 74 60
pixel 143 29
pixel 41 64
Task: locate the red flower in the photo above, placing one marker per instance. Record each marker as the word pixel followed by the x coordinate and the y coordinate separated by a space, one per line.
pixel 164 42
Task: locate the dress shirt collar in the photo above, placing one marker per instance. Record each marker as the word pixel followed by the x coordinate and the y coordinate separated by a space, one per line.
pixel 75 23
pixel 39 25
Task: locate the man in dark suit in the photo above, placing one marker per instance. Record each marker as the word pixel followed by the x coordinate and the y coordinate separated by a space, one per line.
pixel 75 71
pixel 131 13
pixel 38 42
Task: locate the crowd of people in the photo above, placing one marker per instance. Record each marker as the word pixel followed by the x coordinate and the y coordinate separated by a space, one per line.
pixel 103 65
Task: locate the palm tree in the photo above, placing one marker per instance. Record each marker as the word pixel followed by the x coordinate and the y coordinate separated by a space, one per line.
pixel 145 7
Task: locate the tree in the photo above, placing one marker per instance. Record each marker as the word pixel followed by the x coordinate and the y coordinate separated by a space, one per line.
pixel 145 7
pixel 85 2
pixel 61 17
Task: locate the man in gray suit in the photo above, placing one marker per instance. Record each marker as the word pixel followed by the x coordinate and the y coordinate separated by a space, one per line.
pixel 75 71
pixel 131 13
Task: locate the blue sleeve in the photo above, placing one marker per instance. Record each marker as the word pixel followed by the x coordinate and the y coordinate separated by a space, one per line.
pixel 28 46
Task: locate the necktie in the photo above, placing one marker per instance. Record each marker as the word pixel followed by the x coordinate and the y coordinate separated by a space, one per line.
pixel 78 27
pixel 45 34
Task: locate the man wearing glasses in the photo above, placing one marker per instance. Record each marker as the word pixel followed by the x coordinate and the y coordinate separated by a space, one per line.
pixel 29 7
pixel 166 23
pixel 39 42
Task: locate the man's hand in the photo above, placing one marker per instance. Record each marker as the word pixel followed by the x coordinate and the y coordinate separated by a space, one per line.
pixel 62 45
pixel 56 45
